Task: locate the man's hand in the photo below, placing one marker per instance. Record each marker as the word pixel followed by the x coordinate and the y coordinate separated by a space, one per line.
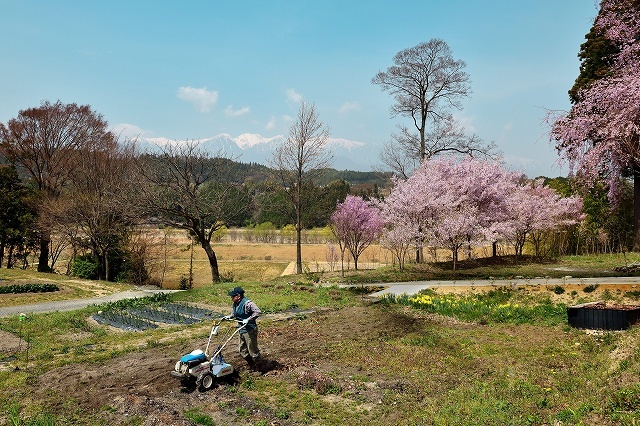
pixel 227 317
pixel 245 321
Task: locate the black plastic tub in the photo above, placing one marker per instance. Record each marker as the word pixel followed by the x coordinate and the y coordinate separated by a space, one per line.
pixel 600 316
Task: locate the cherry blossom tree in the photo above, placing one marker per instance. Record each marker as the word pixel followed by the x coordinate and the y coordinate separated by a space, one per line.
pixel 600 136
pixel 450 203
pixel 535 209
pixel 398 238
pixel 356 224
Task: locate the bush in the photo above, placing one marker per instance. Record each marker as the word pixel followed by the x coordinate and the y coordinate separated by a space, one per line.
pixel 184 283
pixel 85 267
pixel 590 288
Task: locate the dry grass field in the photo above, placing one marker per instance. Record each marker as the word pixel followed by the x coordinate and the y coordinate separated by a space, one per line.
pixel 172 258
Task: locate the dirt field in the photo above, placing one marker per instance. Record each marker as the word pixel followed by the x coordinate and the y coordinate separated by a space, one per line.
pixel 139 384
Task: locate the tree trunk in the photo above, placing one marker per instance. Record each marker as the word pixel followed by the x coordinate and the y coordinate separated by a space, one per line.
pixel 43 259
pixel 1 252
pixel 494 247
pixel 454 257
pixel 10 257
pixel 298 251
pixel 213 261
pixel 107 273
pixel 636 208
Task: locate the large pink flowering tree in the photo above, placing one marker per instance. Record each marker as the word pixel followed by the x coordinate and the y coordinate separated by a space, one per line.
pixel 600 136
pixel 533 210
pixel 450 203
pixel 356 224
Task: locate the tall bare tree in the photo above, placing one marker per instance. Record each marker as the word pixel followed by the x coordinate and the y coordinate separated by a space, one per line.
pixel 299 160
pixel 403 153
pixel 47 143
pixel 188 188
pixel 426 83
pixel 99 202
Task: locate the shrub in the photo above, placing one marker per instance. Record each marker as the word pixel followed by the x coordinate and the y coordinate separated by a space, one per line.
pixel 85 267
pixel 590 288
pixel 184 283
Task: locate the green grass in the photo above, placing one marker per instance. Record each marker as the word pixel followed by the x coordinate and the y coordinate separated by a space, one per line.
pixel 502 305
pixel 500 357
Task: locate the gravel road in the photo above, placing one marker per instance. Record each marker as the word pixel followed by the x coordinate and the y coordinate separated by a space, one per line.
pixel 71 305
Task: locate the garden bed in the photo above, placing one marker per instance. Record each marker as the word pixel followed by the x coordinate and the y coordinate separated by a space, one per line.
pixel 139 318
pixel 603 316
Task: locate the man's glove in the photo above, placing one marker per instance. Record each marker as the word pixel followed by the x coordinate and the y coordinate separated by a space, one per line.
pixel 245 321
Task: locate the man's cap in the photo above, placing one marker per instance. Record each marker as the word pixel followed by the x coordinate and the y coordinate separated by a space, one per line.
pixel 236 290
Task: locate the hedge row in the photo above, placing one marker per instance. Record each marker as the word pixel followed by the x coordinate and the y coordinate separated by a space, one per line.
pixel 29 288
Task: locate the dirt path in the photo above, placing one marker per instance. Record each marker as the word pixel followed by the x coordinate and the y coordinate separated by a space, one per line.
pixel 75 304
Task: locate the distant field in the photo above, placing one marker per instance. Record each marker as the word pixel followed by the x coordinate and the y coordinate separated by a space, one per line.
pixel 251 261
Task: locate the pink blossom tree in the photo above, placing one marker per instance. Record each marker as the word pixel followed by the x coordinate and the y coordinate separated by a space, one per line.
pixel 356 224
pixel 600 136
pixel 398 239
pixel 450 203
pixel 535 210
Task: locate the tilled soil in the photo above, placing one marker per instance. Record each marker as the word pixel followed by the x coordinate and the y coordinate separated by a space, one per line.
pixel 140 384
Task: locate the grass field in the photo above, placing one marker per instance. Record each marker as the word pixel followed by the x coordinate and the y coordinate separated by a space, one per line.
pixel 501 357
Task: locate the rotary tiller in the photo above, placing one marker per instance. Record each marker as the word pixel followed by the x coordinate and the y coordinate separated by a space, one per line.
pixel 203 369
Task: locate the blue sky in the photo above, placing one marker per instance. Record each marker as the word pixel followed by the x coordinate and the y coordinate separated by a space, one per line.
pixel 194 69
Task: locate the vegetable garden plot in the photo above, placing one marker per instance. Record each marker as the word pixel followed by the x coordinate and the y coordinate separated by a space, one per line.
pixel 140 317
pixel 29 288
pixel 190 311
pixel 123 321
pixel 157 315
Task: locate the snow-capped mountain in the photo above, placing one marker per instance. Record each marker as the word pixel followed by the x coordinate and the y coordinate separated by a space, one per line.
pixel 253 148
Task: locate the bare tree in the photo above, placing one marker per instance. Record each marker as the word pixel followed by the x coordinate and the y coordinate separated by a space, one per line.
pixel 99 202
pixel 299 160
pixel 426 83
pixel 447 136
pixel 187 187
pixel 46 142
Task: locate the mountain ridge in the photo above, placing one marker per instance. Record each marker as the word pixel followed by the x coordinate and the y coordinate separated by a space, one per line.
pixel 255 148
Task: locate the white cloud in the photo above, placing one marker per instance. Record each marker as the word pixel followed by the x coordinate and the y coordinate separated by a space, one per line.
pixel 271 124
pixel 294 96
pixel 230 112
pixel 129 131
pixel 466 122
pixel 202 98
pixel 349 106
pixel 287 118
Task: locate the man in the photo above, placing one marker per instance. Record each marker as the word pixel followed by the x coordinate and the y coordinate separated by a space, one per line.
pixel 246 311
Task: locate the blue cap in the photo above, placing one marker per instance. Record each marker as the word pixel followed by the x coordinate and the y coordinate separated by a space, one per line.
pixel 236 290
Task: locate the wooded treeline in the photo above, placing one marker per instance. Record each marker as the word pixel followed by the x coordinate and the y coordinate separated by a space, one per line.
pixel 68 185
